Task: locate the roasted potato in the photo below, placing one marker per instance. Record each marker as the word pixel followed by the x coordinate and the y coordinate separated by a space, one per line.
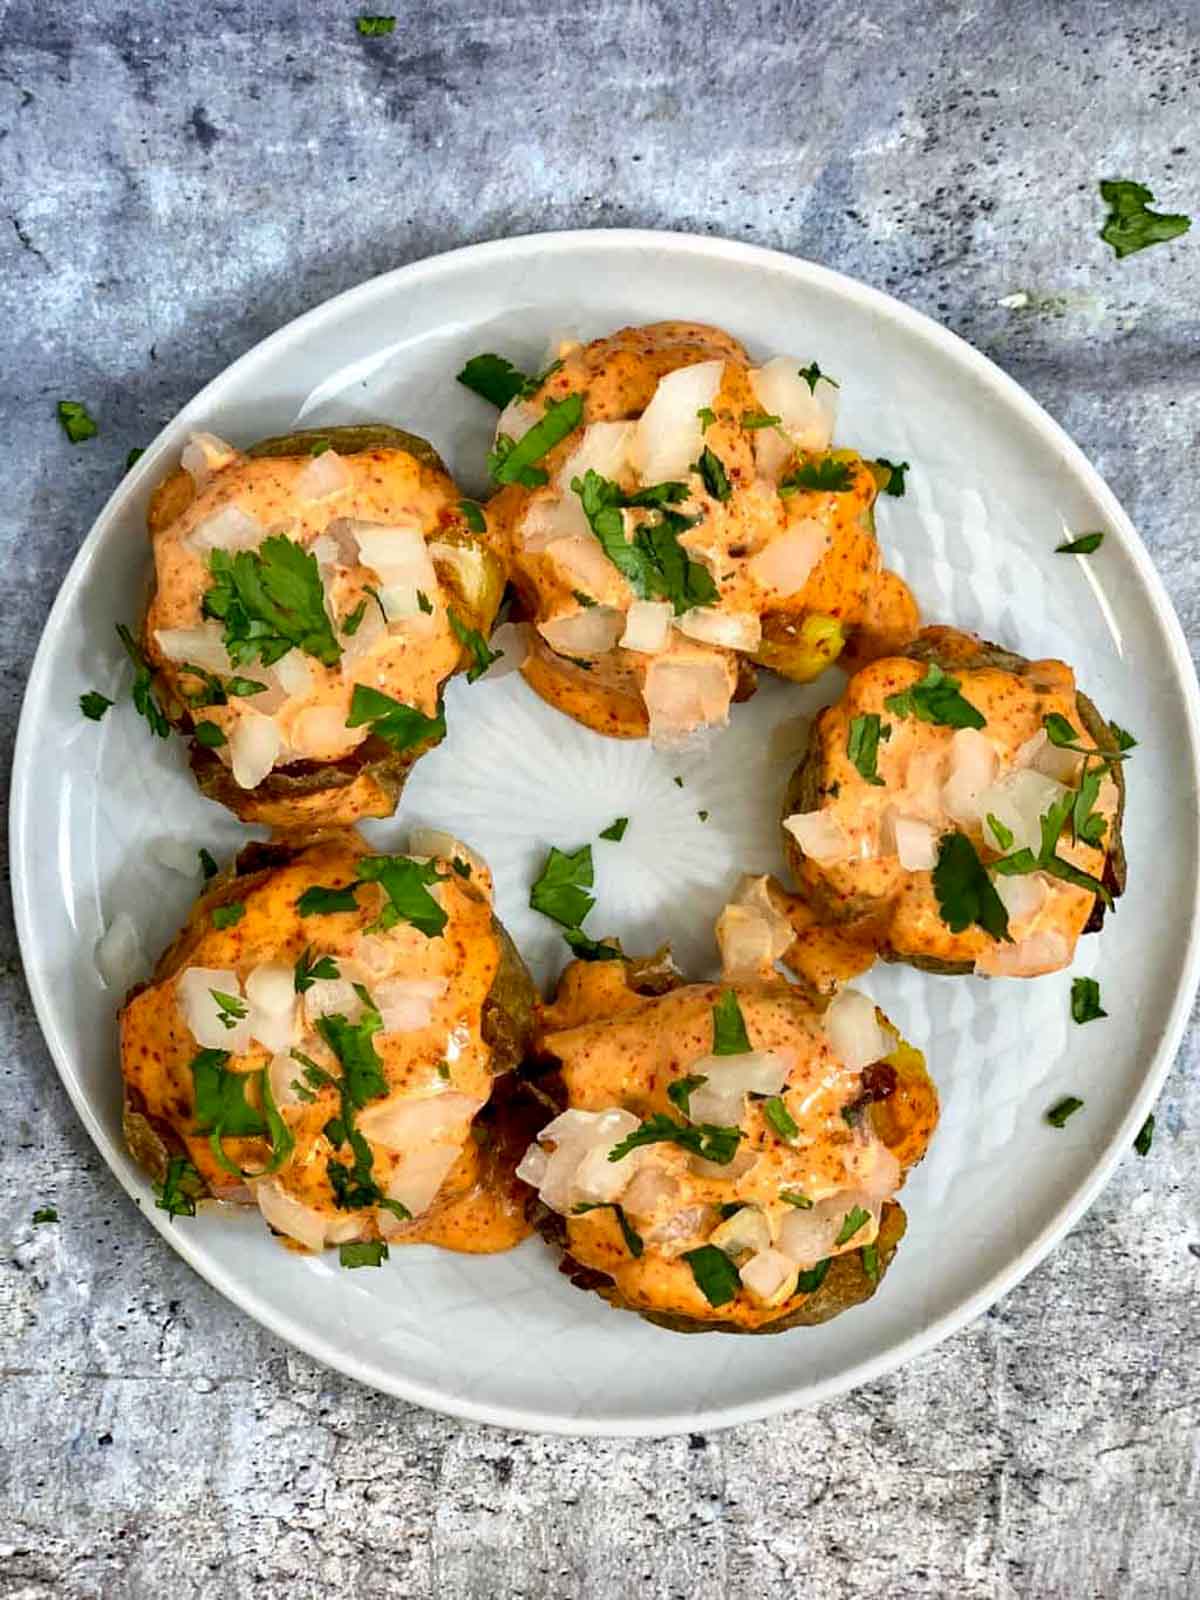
pixel 881 790
pixel 328 1037
pixel 312 596
pixel 713 529
pixel 755 1167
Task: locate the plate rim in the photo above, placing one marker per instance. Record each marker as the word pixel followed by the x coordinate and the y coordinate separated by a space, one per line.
pixel 245 1298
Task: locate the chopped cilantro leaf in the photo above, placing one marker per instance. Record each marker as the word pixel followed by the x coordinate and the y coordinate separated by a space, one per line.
pixel 321 901
pixel 374 28
pixel 1002 835
pixel 1125 740
pixel 560 891
pixel 680 1091
pixel 475 645
pixel 862 745
pixel 93 704
pixel 813 375
pixel 1058 1114
pixel 307 971
pixel 1145 1137
pixel 1083 546
pixel 712 471
pixel 271 600
pixel 585 600
pixel 209 734
pixel 363 1252
pixel 44 1214
pixel 1130 225
pixel 895 484
pixel 729 1026
pixel 586 949
pixel 319 447
pixel 753 420
pixel 654 563
pixel 826 475
pixel 231 1009
pixel 707 417
pixel 406 883
pixel 704 1139
pixel 615 830
pixel 795 1198
pixel 352 621
pixel 208 865
pixel 633 1239
pixel 965 893
pixel 77 422
pixel 403 727
pixel 512 461
pixel 492 378
pixel 854 1220
pixel 715 1274
pixel 870 1262
pixel 144 702
pixel 424 603
pixel 353 1044
pixel 134 456
pixel 472 514
pixel 809 1282
pixel 703 815
pixel 780 1118
pixel 1085 1000
pixel 228 915
pixel 936 699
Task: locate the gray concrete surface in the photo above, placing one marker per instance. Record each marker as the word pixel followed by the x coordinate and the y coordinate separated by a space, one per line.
pixel 175 182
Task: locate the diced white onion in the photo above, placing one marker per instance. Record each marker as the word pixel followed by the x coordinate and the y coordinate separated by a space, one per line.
pixel 119 956
pixel 820 835
pixel 398 553
pixel 286 1214
pixel 916 843
pixel 510 645
pixel 230 528
pixel 1022 896
pixel 434 842
pixel 177 856
pixel 375 954
pixel 722 1099
pixel 729 1171
pixel 685 696
pixel 786 564
pixel 1062 765
pixel 330 997
pixel 271 993
pixel 202 646
pixel 1019 801
pixel 647 626
pixel 1046 950
pixel 323 476
pixel 745 942
pixel 806 415
pixel 551 517
pixel 583 565
pixel 972 768
pixel 254 747
pixel 534 1165
pixel 370 631
pixel 294 674
pixel 416 1181
pixel 923 783
pixel 604 447
pixel 587 632
pixel 649 1191
pixel 668 436
pixel 203 455
pixel 770 1276
pixel 202 1010
pixel 807 1237
pixel 575 1135
pixel 406 1122
pixel 853 1028
pixel 283 1072
pixel 406 1004
pixel 734 630
pixel 339 542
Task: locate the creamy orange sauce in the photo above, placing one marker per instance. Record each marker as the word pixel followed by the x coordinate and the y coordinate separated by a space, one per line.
pixel 409 660
pixel 447 1056
pixel 618 1049
pixel 845 591
pixel 896 909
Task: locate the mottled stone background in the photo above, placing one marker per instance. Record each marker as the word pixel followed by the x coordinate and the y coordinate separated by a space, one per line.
pixel 177 180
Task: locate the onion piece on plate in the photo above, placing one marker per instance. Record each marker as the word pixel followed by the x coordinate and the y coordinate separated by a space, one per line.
pixel 729 1079
pixel 807 415
pixel 972 768
pixel 322 477
pixel 647 626
pixel 1018 802
pixel 686 695
pixel 119 956
pixel 202 646
pixel 668 436
pixel 587 632
pixel 785 565
pixel 406 1004
pixel 203 455
pixel 562 1147
pixel 854 1031
pixel 283 1212
pixel 202 1011
pixel 820 835
pixel 229 528
pixel 734 630
pixel 255 745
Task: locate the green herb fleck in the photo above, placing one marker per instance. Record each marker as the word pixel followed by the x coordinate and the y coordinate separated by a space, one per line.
pixel 1085 1000
pixel 208 865
pixel 813 375
pixel 809 1282
pixel 1145 1137
pixel 704 1139
pixel 715 1274
pixel 1083 546
pixel 1125 740
pixel 44 1214
pixel 228 915
pixel 144 702
pixel 512 460
pixel 406 884
pixel 584 948
pixel 231 1009
pixel 363 1252
pixel 353 619
pixel 712 470
pixel 854 1220
pixel 653 562
pixel 753 420
pixel 1058 1114
pixel 862 745
pixel 895 484
pixel 560 891
pixel 795 1198
pixel 77 423
pixel 615 830
pixel 271 600
pixel 400 726
pixel 870 1262
pixel 322 901
pixel 1002 835
pixel 1130 225
pixel 729 1026
pixel 707 417
pixel 94 705
pixel 475 645
pixel 134 456
pixel 181 1187
pixel 965 893
pixel 780 1118
pixel 680 1091
pixel 936 699
pixel 633 1239
pixel 828 476
pixel 472 514
pixel 307 971
pixel 373 28
pixel 209 734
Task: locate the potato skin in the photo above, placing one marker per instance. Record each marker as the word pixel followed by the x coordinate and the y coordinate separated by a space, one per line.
pixel 507 1023
pixel 905 1121
pixel 368 782
pixel 952 650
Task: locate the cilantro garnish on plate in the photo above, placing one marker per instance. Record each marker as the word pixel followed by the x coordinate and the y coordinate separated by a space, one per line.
pixel 271 600
pixel 936 699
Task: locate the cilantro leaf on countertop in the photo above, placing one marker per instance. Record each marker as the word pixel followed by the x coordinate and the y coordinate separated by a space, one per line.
pixel 1145 1137
pixel 1131 225
pixel 77 421
pixel 375 27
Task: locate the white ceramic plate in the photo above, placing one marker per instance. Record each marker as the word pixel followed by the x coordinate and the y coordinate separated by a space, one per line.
pixel 994 484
